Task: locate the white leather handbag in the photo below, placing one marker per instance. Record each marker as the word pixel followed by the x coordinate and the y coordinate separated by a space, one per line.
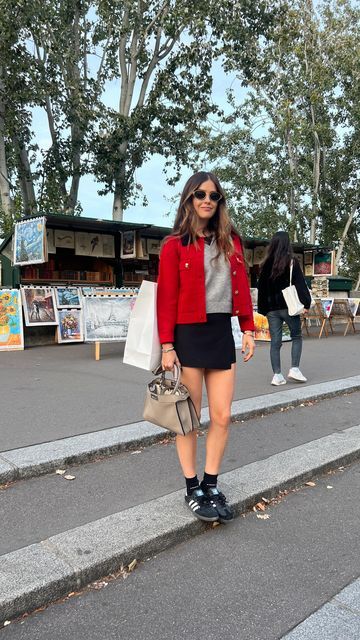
pixel 295 307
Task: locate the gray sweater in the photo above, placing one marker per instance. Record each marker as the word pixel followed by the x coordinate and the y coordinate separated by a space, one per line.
pixel 217 280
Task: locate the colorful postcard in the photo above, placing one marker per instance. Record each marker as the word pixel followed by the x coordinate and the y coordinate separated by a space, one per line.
pixel 70 326
pixel 11 324
pixel 39 306
pixel 30 242
pixel 106 319
pixel 64 238
pixel 128 244
pixel 67 297
pixel 323 263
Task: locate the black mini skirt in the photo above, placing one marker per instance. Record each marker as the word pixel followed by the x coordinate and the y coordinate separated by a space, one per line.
pixel 208 345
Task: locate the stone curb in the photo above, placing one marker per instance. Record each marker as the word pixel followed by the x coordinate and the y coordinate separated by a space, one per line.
pixel 35 460
pixel 36 575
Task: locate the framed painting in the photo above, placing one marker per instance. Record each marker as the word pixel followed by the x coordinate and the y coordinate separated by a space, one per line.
pixel 11 324
pixel 106 319
pixel 50 241
pixel 153 245
pixel 308 257
pixel 67 297
pixel 82 244
pixel 249 257
pixel 108 246
pixel 128 244
pixel 259 254
pixel 39 306
pixel 96 245
pixel 308 270
pixel 323 263
pixel 327 304
pixel 64 239
pixel 30 242
pixel 70 326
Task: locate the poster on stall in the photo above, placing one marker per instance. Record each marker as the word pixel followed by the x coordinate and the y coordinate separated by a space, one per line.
pixel 11 325
pixel 39 306
pixel 70 326
pixel 30 242
pixel 106 319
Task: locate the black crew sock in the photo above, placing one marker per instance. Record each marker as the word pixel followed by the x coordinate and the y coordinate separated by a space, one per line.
pixel 208 481
pixel 191 484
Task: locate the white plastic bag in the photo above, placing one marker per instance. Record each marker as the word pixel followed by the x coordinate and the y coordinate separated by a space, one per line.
pixel 295 307
pixel 142 347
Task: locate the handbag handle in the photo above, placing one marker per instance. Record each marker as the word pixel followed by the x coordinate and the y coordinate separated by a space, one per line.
pixel 291 270
pixel 177 372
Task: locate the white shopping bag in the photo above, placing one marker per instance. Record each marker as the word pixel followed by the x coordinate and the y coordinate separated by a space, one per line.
pixel 142 347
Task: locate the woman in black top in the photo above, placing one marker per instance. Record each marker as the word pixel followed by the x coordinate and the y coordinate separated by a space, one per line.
pixel 275 276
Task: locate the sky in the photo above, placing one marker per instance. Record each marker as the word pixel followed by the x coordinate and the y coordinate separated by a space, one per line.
pixel 160 210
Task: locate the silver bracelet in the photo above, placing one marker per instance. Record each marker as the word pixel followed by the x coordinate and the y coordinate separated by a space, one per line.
pixel 167 350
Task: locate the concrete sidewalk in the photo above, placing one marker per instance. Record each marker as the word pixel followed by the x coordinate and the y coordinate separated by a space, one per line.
pixel 31 461
pixel 33 576
pixel 50 393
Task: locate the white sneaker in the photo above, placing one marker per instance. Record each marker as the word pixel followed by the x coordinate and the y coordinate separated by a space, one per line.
pixel 278 379
pixel 295 374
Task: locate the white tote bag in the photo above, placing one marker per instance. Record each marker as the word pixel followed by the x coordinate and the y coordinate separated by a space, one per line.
pixel 295 307
pixel 142 347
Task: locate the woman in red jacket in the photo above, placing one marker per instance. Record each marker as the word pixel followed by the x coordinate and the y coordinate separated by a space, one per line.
pixel 202 283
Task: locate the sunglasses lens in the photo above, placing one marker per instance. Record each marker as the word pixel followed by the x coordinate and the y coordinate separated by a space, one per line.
pixel 201 195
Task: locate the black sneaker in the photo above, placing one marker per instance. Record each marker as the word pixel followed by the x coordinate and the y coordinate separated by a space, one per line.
pixel 200 506
pixel 218 502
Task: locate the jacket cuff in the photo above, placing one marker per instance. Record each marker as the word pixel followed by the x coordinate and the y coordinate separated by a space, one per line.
pixel 247 323
pixel 166 337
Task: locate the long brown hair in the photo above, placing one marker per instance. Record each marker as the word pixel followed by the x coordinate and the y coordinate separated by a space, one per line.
pixel 279 254
pixel 220 224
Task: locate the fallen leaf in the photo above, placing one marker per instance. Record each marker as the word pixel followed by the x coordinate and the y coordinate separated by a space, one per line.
pixel 6 623
pixel 329 486
pixel 263 516
pixel 69 477
pixel 216 524
pixel 132 565
pixel 310 484
pixel 265 500
pixel 254 508
pixel 60 472
pixel 260 506
pixel 134 453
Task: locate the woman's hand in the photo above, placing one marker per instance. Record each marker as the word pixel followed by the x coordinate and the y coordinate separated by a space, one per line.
pixel 168 360
pixel 248 346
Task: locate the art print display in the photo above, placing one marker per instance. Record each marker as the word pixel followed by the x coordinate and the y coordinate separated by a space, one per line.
pixel 262 331
pixel 50 239
pixel 323 263
pixel 67 297
pixel 249 257
pixel 82 244
pixel 128 244
pixel 106 319
pixel 30 242
pixel 308 270
pixel 354 306
pixel 153 245
pixel 259 254
pixel 300 258
pixel 96 245
pixel 108 246
pixel 39 306
pixel 308 257
pixel 70 326
pixel 64 239
pixel 327 304
pixel 11 324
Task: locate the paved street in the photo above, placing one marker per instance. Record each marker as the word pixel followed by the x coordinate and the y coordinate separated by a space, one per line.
pixel 62 391
pixel 253 580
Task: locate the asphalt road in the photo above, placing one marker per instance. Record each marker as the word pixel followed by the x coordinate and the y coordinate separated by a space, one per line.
pixel 255 579
pixel 53 392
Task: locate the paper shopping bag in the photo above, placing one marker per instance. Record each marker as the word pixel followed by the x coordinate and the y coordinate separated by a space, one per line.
pixel 142 347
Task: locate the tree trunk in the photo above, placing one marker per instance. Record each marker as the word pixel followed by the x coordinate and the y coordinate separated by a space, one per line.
pixel 25 178
pixel 120 184
pixel 5 198
pixel 345 232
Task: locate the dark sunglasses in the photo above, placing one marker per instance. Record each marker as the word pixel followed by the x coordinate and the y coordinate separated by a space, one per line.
pixel 199 194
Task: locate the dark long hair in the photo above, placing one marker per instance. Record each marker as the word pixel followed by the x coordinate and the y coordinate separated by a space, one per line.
pixel 220 223
pixel 279 254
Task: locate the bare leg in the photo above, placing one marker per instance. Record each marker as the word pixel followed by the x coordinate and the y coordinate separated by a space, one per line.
pixel 220 390
pixel 186 445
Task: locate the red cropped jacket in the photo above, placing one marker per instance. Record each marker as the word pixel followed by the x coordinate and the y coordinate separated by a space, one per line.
pixel 181 297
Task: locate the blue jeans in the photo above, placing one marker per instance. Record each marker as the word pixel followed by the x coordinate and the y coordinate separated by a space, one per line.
pixel 276 319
